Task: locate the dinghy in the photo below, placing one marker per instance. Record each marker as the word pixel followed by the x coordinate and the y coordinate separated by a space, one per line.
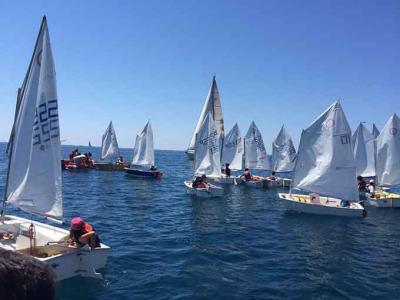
pixel 255 156
pixel 283 158
pixel 325 165
pixel 364 151
pixel 109 149
pixel 207 161
pixel 232 154
pixel 33 182
pixel 387 165
pixel 143 162
pixel 212 105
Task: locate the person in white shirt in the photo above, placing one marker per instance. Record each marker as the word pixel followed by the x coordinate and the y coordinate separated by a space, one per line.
pixel 371 188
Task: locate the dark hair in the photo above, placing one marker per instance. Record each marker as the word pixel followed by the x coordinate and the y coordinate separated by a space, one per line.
pixel 246 169
pixel 24 277
pixel 273 172
pixel 359 177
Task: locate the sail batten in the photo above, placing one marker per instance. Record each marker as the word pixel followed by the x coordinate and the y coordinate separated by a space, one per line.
pixel 283 152
pixel 255 153
pixel 207 149
pixel 143 153
pixel 325 162
pixel 34 177
pixel 232 151
pixel 109 144
pixel 388 153
pixel 212 105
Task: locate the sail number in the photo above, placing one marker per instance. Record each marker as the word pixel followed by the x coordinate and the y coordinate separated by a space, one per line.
pixel 345 139
pixel 45 125
pixel 211 142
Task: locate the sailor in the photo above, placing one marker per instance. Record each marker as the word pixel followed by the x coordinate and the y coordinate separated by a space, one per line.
pixel 246 174
pixel 371 188
pixel 120 160
pixel 82 234
pixel 153 168
pixel 227 170
pixel 272 177
pixel 361 184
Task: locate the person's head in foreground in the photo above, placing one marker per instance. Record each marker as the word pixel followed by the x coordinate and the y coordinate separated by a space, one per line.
pixel 24 277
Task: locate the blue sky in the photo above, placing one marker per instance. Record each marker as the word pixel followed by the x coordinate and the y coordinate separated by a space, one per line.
pixel 275 62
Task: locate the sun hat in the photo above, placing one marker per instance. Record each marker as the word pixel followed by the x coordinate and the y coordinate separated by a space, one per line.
pixel 77 223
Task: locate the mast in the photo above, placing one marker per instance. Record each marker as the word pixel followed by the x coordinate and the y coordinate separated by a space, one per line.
pixel 20 94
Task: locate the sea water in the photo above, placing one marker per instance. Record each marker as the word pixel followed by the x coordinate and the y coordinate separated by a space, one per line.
pixel 168 245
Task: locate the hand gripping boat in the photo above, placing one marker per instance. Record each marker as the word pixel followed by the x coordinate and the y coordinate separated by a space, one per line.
pixel 209 192
pixel 34 179
pixel 325 165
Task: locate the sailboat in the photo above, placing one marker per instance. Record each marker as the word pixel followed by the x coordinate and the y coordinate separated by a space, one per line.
pixel 387 164
pixel 212 105
pixel 364 151
pixel 283 158
pixel 325 165
pixel 255 156
pixel 33 182
pixel 232 155
pixel 109 149
pixel 207 160
pixel 143 162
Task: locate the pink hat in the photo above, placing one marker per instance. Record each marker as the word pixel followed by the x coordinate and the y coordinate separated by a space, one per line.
pixel 77 223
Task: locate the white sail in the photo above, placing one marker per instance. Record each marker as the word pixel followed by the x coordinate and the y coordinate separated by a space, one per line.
pixel 255 155
pixel 109 144
pixel 143 154
pixel 388 153
pixel 325 162
pixel 232 151
pixel 375 131
pixel 212 105
pixel 283 152
pixel 34 178
pixel 364 151
pixel 207 150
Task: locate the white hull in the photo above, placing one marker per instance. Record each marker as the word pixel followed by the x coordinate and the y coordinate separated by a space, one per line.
pixel 264 182
pixel 212 191
pixel 65 261
pixel 190 154
pixel 226 180
pixel 325 206
pixel 385 200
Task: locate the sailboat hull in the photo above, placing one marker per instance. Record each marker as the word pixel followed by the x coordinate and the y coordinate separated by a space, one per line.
pixel 212 191
pixel 385 200
pixel 50 248
pixel 324 206
pixel 142 173
pixel 190 154
pixel 226 180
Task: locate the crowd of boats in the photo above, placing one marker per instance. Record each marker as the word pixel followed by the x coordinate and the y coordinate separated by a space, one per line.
pixel 322 181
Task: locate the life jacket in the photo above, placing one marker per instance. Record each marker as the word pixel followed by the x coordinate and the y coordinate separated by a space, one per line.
pixel 76 234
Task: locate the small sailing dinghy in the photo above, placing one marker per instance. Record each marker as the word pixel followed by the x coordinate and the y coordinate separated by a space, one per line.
pixel 109 149
pixel 33 181
pixel 364 151
pixel 255 156
pixel 283 159
pixel 325 165
pixel 232 155
pixel 143 162
pixel 206 162
pixel 212 105
pixel 387 165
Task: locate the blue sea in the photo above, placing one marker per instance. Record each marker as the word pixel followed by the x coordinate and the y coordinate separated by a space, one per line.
pixel 167 245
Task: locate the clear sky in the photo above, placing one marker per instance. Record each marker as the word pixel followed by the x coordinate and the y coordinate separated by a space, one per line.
pixel 275 62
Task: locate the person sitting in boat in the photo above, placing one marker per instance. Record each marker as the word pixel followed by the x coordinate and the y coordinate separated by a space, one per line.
pixel 200 182
pixel 227 170
pixel 371 188
pixel 246 175
pixel 153 168
pixel 82 234
pixel 362 185
pixel 272 177
pixel 120 160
